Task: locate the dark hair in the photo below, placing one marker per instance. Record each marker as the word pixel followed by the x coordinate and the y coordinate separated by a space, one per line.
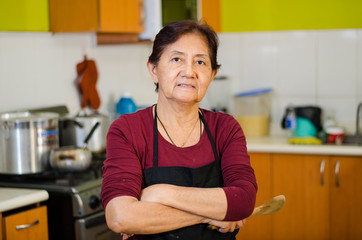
pixel 173 31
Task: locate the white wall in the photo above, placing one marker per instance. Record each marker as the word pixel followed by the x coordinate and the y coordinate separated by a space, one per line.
pixel 303 67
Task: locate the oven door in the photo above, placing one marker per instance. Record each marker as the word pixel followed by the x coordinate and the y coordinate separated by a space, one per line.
pixel 94 227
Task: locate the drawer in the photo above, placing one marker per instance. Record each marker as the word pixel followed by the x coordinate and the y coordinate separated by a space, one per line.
pixel 29 224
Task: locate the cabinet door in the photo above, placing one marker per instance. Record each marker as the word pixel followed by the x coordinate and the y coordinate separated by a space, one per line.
pixel 210 13
pixel 31 224
pixel 73 15
pixel 346 198
pixel 252 229
pixel 304 180
pixel 121 16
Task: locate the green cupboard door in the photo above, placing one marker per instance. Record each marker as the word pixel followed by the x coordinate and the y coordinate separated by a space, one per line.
pixel 24 15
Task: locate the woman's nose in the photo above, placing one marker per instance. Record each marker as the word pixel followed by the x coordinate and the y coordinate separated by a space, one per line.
pixel 189 70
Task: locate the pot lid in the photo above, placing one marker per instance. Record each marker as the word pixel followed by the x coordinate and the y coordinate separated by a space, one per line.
pixel 27 116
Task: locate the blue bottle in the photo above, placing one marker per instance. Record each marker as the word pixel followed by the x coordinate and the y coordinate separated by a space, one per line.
pixel 126 105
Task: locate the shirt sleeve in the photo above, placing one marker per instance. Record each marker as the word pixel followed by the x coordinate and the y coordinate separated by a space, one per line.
pixel 239 180
pixel 122 172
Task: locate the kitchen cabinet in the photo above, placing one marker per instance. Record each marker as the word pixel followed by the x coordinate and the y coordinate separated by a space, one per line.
pixel 117 19
pixel 346 197
pixel 123 16
pixel 210 12
pixel 304 180
pixel 322 197
pixel 28 224
pixel 251 230
pixel 73 15
pixel 24 15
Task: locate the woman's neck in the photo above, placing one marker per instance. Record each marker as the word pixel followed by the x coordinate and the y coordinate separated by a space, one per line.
pixel 178 123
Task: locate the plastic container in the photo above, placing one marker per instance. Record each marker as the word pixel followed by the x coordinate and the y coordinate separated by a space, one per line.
pixel 252 111
pixel 126 105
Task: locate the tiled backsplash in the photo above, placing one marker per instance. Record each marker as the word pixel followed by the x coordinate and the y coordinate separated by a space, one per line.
pixel 303 67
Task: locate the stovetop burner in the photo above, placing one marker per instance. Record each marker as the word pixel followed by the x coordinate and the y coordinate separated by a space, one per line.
pixel 56 178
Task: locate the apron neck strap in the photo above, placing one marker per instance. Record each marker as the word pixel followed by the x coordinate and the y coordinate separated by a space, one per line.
pixel 155 138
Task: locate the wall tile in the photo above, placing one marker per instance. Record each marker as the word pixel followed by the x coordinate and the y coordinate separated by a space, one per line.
pixel 258 68
pixel 359 65
pixel 336 63
pixel 297 63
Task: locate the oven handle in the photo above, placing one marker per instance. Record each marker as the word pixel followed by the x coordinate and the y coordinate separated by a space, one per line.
pixel 96 220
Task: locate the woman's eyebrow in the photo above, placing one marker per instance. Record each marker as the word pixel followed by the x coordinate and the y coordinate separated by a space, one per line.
pixel 196 55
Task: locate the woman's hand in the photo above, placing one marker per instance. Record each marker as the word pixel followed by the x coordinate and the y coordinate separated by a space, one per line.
pixel 126 236
pixel 226 226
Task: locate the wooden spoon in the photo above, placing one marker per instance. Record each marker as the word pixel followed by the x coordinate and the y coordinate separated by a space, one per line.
pixel 270 207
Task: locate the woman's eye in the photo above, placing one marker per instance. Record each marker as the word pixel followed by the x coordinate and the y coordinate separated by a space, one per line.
pixel 176 59
pixel 200 62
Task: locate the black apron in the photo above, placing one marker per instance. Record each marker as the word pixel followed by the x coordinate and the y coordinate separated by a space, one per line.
pixel 207 176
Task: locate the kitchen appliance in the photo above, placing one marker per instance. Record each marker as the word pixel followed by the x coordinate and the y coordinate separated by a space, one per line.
pixel 308 121
pixel 74 205
pixel 25 141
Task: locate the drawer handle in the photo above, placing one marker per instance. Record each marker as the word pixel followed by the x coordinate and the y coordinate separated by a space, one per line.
pixel 21 227
pixel 336 172
pixel 321 170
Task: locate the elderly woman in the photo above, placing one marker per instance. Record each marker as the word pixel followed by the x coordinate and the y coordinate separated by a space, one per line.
pixel 173 169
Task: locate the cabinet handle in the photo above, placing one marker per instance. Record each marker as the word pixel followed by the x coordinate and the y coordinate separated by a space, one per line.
pixel 321 171
pixel 21 227
pixel 336 172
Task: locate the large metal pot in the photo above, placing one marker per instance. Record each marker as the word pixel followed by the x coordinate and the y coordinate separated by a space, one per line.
pixel 26 140
pixel 73 131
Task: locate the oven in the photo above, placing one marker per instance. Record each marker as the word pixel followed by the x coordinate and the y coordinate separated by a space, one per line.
pixel 74 206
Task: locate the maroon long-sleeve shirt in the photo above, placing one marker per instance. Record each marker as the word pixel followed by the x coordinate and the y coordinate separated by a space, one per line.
pixel 130 149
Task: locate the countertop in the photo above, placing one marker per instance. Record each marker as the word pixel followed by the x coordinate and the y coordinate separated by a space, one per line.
pixel 279 144
pixel 12 198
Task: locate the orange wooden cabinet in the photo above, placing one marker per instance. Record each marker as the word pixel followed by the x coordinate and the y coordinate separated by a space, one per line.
pixel 259 227
pixel 323 196
pixel 30 225
pixel 108 16
pixel 346 197
pixel 304 180
pixel 73 15
pixel 211 13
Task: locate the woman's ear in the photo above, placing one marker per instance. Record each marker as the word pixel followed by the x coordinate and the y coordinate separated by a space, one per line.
pixel 213 74
pixel 152 69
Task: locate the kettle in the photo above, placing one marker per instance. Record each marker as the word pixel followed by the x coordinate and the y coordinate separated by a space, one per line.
pixel 308 120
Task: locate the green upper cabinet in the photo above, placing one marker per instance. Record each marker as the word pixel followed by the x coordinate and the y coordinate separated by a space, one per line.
pixel 24 15
pixel 271 15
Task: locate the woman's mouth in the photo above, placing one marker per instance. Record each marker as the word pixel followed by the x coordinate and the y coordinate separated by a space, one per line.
pixel 185 85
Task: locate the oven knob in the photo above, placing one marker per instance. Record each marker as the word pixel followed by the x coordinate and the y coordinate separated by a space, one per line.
pixel 94 202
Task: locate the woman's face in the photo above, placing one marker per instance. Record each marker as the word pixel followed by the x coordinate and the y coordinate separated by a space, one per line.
pixel 184 70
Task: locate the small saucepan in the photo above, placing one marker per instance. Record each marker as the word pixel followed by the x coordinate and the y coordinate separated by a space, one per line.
pixel 72 158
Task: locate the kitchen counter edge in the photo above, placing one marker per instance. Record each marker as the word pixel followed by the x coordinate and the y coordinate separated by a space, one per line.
pixel 12 198
pixel 279 144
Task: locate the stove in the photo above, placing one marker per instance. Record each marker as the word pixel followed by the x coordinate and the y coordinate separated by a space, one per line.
pixel 74 205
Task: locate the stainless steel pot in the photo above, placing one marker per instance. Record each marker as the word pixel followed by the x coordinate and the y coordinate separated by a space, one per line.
pixel 98 141
pixel 25 141
pixel 73 158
